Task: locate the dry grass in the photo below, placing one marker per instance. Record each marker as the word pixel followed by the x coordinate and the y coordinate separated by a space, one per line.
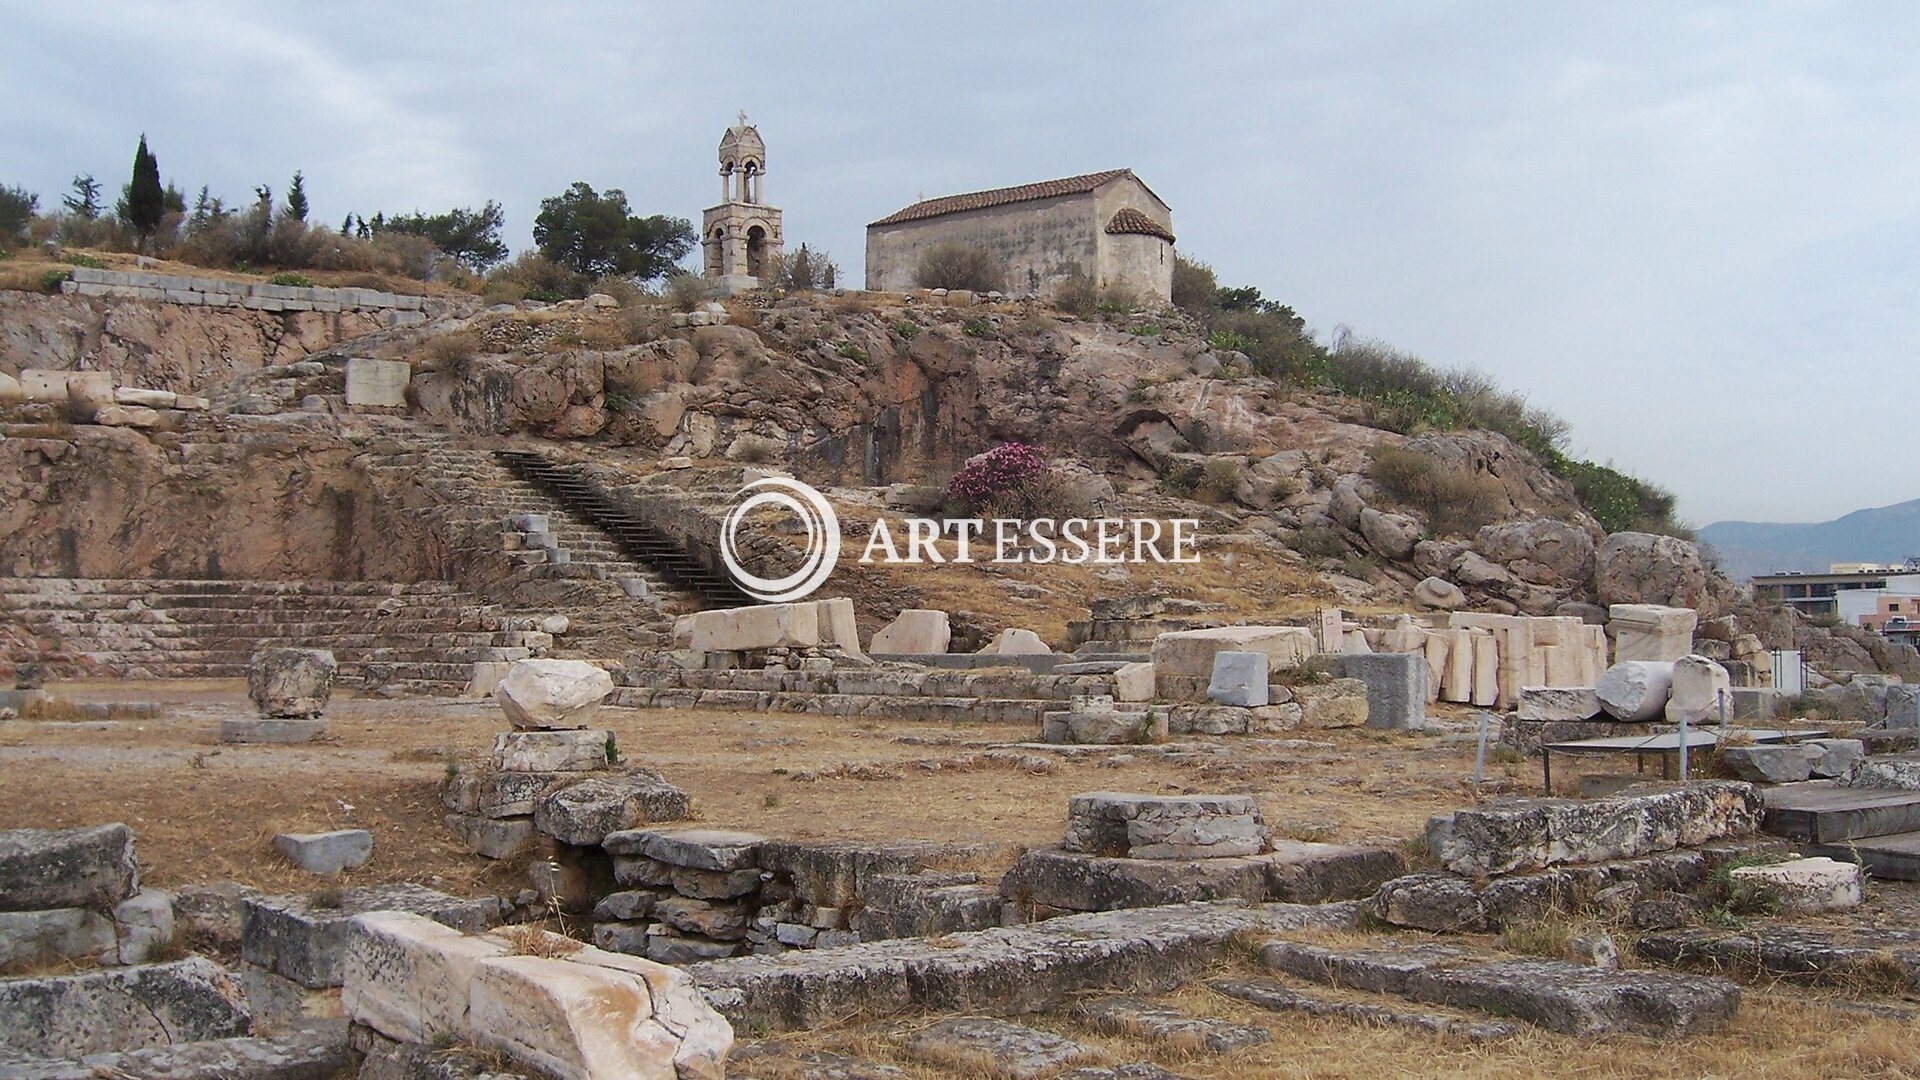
pixel 204 812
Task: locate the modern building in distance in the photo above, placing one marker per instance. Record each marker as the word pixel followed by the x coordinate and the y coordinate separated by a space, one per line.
pixel 1851 592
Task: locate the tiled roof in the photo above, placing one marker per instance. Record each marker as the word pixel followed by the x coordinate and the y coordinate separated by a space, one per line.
pixel 1129 220
pixel 980 200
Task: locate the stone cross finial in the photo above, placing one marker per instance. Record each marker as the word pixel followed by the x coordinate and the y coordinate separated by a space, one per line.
pixel 742 114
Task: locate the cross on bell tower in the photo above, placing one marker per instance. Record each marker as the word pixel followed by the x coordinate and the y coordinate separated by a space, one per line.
pixel 740 238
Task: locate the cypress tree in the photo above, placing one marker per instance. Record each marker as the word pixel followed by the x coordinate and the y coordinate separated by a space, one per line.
pixel 146 199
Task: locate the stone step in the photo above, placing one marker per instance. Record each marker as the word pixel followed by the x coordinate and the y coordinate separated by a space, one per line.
pixel 1893 856
pixel 1828 812
pixel 1280 997
pixel 1558 995
pixel 930 709
pixel 1886 958
pixel 1010 969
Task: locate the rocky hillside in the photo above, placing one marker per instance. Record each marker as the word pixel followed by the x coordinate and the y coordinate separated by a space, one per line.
pixel 1304 497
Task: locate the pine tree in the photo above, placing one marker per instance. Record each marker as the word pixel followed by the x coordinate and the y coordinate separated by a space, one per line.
pixel 346 225
pixel 297 198
pixel 84 202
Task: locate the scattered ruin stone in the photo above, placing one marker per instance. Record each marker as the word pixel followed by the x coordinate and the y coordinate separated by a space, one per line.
pixel 1665 911
pixel 1163 827
pixel 1848 957
pixel 328 852
pixel 291 684
pixel 1134 681
pixel 1808 886
pixel 1190 653
pixel 1897 772
pixel 552 694
pixel 29 675
pixel 270 730
pixel 304 937
pixel 1635 690
pixel 71 1016
pixel 1304 872
pixel 1280 997
pixel 143 926
pixel 1076 881
pixel 1837 758
pixel 67 868
pixel 29 938
pixel 1238 678
pixel 1529 834
pixel 927 905
pixel 996 1047
pixel 408 977
pixel 1550 704
pixel 490 792
pixel 1016 642
pixel 770 1060
pixel 1341 703
pixel 1698 691
pixel 913 632
pixel 1169 1026
pixel 318 1049
pixel 596 1015
pixel 1096 721
pixel 1771 763
pixel 210 914
pixel 584 813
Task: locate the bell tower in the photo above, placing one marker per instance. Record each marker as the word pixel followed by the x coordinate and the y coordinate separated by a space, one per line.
pixel 740 237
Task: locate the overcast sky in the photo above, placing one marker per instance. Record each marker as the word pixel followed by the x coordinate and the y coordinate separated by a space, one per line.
pixel 1693 233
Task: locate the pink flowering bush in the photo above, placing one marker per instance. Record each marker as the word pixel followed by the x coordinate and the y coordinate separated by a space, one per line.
pixel 1010 477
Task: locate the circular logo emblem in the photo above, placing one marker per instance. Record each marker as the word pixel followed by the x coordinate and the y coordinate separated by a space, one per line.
pixel 823 538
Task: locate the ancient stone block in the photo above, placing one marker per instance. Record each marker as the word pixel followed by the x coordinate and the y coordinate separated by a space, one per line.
pixel 553 751
pixel 552 694
pixel 698 849
pixel 1168 1026
pixel 71 1016
pixel 1558 704
pixel 377 383
pixel 1650 631
pixel 407 976
pixel 1770 763
pixel 328 852
pixel 492 837
pixel 1396 688
pixel 1893 771
pixel 719 921
pixel 30 938
pixel 763 626
pixel 1134 682
pixel 597 1016
pixel 489 792
pixel 290 683
pixel 1806 886
pixel 1302 872
pixel 1114 823
pixel 1074 881
pixel 143 925
pixel 1527 834
pixel 1190 653
pixel 1696 691
pixel 585 812
pixel 925 905
pixel 1238 678
pixel 1837 757
pixel 65 868
pixel 304 937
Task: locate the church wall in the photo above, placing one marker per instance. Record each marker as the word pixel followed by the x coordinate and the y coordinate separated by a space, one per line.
pixel 1141 264
pixel 1040 242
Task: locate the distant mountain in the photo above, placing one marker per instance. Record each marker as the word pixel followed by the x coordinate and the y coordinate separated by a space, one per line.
pixel 1887 535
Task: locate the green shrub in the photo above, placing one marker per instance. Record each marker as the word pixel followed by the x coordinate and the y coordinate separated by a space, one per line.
pixel 1194 287
pixel 686 291
pixel 1454 500
pixel 1218 481
pixel 1076 295
pixel 78 258
pixel 50 281
pixel 907 328
pixel 298 281
pixel 1115 300
pixel 979 328
pixel 851 351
